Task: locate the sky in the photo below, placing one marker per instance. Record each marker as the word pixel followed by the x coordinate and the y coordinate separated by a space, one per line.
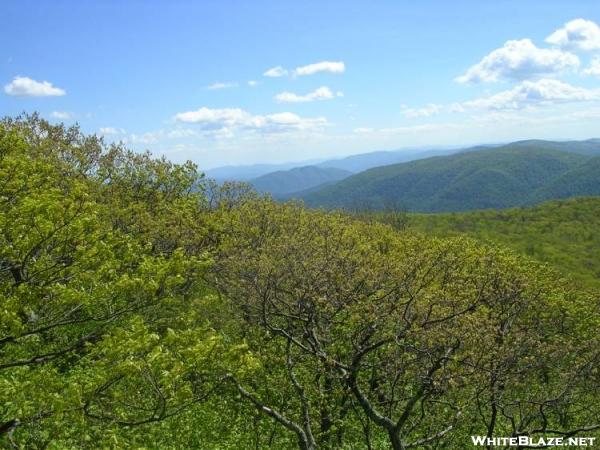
pixel 241 82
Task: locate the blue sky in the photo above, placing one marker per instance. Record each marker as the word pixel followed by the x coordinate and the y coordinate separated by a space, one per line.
pixel 190 80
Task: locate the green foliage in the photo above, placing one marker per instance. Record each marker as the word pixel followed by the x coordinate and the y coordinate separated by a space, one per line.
pixel 144 307
pixel 102 255
pixel 425 339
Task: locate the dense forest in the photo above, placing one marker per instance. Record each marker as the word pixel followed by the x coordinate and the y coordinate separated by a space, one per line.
pixel 144 306
pixel 561 233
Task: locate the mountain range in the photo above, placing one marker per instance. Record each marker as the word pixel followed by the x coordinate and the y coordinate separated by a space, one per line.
pixel 521 173
pixel 440 180
pixel 354 163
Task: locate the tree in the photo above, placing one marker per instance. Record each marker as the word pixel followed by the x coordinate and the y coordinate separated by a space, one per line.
pixel 102 254
pixel 407 326
pixel 143 306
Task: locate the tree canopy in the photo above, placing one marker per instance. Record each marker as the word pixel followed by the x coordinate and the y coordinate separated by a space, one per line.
pixel 143 306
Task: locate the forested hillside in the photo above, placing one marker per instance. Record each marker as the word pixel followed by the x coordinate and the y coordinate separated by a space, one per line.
pixel 561 233
pixel 516 174
pixel 145 307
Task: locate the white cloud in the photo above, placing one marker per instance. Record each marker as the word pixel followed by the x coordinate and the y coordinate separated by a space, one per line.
pixel 519 60
pixel 427 111
pixel 363 130
pixel 221 85
pixel 26 87
pixel 310 69
pixel 252 83
pixel 594 68
pixel 534 93
pixel 229 119
pixel 61 115
pixel 577 34
pixel 322 93
pixel 275 72
pixel 111 131
pixel 323 66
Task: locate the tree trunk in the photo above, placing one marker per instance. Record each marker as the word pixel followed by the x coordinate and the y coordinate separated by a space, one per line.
pixel 304 444
pixel 395 439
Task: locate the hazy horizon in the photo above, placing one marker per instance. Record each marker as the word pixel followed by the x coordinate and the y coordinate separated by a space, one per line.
pixel 416 150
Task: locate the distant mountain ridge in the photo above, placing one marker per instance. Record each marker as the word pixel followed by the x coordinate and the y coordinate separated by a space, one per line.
pixel 284 182
pixel 353 163
pixel 521 173
pixel 248 172
pixel 365 161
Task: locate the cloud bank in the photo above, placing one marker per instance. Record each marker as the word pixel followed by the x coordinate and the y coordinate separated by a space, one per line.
pixel 231 119
pixel 519 60
pixel 535 93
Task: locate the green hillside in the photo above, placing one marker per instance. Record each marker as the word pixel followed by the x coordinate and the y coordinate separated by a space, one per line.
pixel 582 180
pixel 561 233
pixel 285 182
pixel 512 175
